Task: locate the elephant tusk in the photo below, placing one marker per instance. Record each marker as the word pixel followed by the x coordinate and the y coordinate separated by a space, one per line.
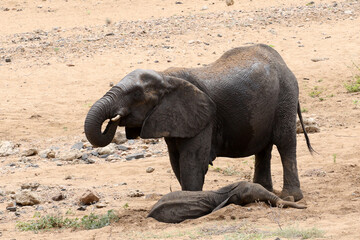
pixel 114 119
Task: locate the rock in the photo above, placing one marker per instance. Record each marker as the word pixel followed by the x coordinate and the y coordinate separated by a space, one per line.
pixel 314 173
pixel 151 141
pixel 81 208
pixel 204 8
pixel 135 156
pixel 119 138
pixel 150 169
pixel 85 156
pixel 90 161
pixel 88 145
pixel 68 177
pixel 39 208
pixel 30 152
pixel 11 204
pixel 100 205
pixel 109 149
pixel 11 207
pixel 7 148
pixel 78 146
pixel 32 186
pixel 89 197
pixel 33 165
pixel 48 153
pixel 135 193
pixel 112 158
pixel 229 2
pixel 70 156
pixel 26 199
pixel 95 153
pixel 310 126
pixel 58 197
pixel 319 59
pixel 122 148
pixel 7 60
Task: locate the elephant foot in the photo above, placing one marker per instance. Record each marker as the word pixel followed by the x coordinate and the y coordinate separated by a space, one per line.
pixel 293 194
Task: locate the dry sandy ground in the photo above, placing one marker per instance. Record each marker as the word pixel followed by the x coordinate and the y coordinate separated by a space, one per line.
pixel 64 54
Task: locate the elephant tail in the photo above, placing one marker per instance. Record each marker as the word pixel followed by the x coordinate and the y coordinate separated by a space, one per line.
pixel 311 150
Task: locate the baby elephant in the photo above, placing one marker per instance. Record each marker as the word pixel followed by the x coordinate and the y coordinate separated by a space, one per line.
pixel 178 206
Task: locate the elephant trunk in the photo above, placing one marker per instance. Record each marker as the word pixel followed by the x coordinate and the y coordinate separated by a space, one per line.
pixel 97 115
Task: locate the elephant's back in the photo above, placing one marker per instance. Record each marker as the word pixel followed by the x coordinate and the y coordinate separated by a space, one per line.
pixel 245 84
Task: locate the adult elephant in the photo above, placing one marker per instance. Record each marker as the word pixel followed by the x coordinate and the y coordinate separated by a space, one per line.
pixel 240 105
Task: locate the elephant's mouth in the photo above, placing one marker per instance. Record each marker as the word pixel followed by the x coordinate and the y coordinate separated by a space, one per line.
pixel 132 132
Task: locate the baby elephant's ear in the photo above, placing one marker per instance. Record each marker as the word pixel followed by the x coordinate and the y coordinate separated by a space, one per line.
pixel 183 112
pixel 231 199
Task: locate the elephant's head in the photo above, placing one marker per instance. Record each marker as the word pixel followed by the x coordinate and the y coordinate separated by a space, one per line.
pixel 149 105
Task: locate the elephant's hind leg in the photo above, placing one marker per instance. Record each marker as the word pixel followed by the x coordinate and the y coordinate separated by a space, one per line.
pixel 262 173
pixel 259 193
pixel 286 143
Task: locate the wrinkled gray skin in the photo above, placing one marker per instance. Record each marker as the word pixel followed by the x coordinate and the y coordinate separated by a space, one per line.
pixel 240 105
pixel 178 206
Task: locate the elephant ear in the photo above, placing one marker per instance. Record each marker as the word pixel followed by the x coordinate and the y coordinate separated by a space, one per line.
pixel 225 202
pixel 182 112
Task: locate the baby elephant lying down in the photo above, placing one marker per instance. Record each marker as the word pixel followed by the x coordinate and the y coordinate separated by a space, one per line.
pixel 178 206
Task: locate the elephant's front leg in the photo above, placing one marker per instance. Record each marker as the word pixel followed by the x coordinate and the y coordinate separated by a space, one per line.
pixel 194 155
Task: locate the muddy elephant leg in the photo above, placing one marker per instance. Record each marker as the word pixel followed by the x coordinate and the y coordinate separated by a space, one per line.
pixel 286 144
pixel 262 173
pixel 194 155
pixel 291 185
pixel 174 156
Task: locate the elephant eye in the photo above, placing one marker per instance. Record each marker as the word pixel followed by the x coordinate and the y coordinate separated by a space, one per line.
pixel 138 94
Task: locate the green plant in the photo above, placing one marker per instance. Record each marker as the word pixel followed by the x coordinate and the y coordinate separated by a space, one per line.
pixel 228 171
pixel 48 222
pixel 271 45
pixel 334 158
pixel 354 85
pixel 293 232
pixel 126 206
pixel 69 212
pixel 304 110
pixel 93 221
pixel 315 92
pixel 310 3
